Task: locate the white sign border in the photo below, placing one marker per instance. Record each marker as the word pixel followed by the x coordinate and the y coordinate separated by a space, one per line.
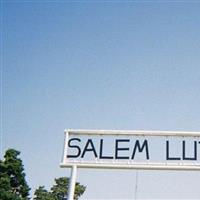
pixel 151 166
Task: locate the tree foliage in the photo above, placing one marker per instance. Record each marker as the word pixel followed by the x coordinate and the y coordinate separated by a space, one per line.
pixel 13 185
pixel 59 190
pixel 42 194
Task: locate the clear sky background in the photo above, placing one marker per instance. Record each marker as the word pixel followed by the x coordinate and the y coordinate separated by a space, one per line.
pixel 91 65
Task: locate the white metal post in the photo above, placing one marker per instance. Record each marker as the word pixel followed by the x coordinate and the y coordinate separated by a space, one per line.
pixel 72 183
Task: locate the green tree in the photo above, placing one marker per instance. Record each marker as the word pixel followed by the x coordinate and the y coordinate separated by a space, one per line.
pixel 13 185
pixel 59 190
pixel 42 194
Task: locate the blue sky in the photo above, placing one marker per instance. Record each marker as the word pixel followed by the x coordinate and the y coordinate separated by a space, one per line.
pixel 91 65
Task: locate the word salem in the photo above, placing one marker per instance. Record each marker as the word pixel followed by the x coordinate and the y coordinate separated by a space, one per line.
pixel 89 147
pixel 121 147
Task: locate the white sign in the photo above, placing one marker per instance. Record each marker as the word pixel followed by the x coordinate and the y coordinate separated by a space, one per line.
pixel 132 149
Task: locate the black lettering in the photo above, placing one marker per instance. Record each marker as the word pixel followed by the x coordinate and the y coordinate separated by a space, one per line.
pixel 75 147
pixel 195 152
pixel 101 156
pixel 117 149
pixel 87 148
pixel 167 153
pixel 141 148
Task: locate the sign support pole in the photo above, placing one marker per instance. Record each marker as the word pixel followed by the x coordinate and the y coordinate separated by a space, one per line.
pixel 72 183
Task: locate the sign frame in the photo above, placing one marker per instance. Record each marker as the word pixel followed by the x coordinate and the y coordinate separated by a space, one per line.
pixel 145 166
pixel 150 166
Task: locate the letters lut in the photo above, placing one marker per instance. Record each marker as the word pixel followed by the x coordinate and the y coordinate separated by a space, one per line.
pixel 184 152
